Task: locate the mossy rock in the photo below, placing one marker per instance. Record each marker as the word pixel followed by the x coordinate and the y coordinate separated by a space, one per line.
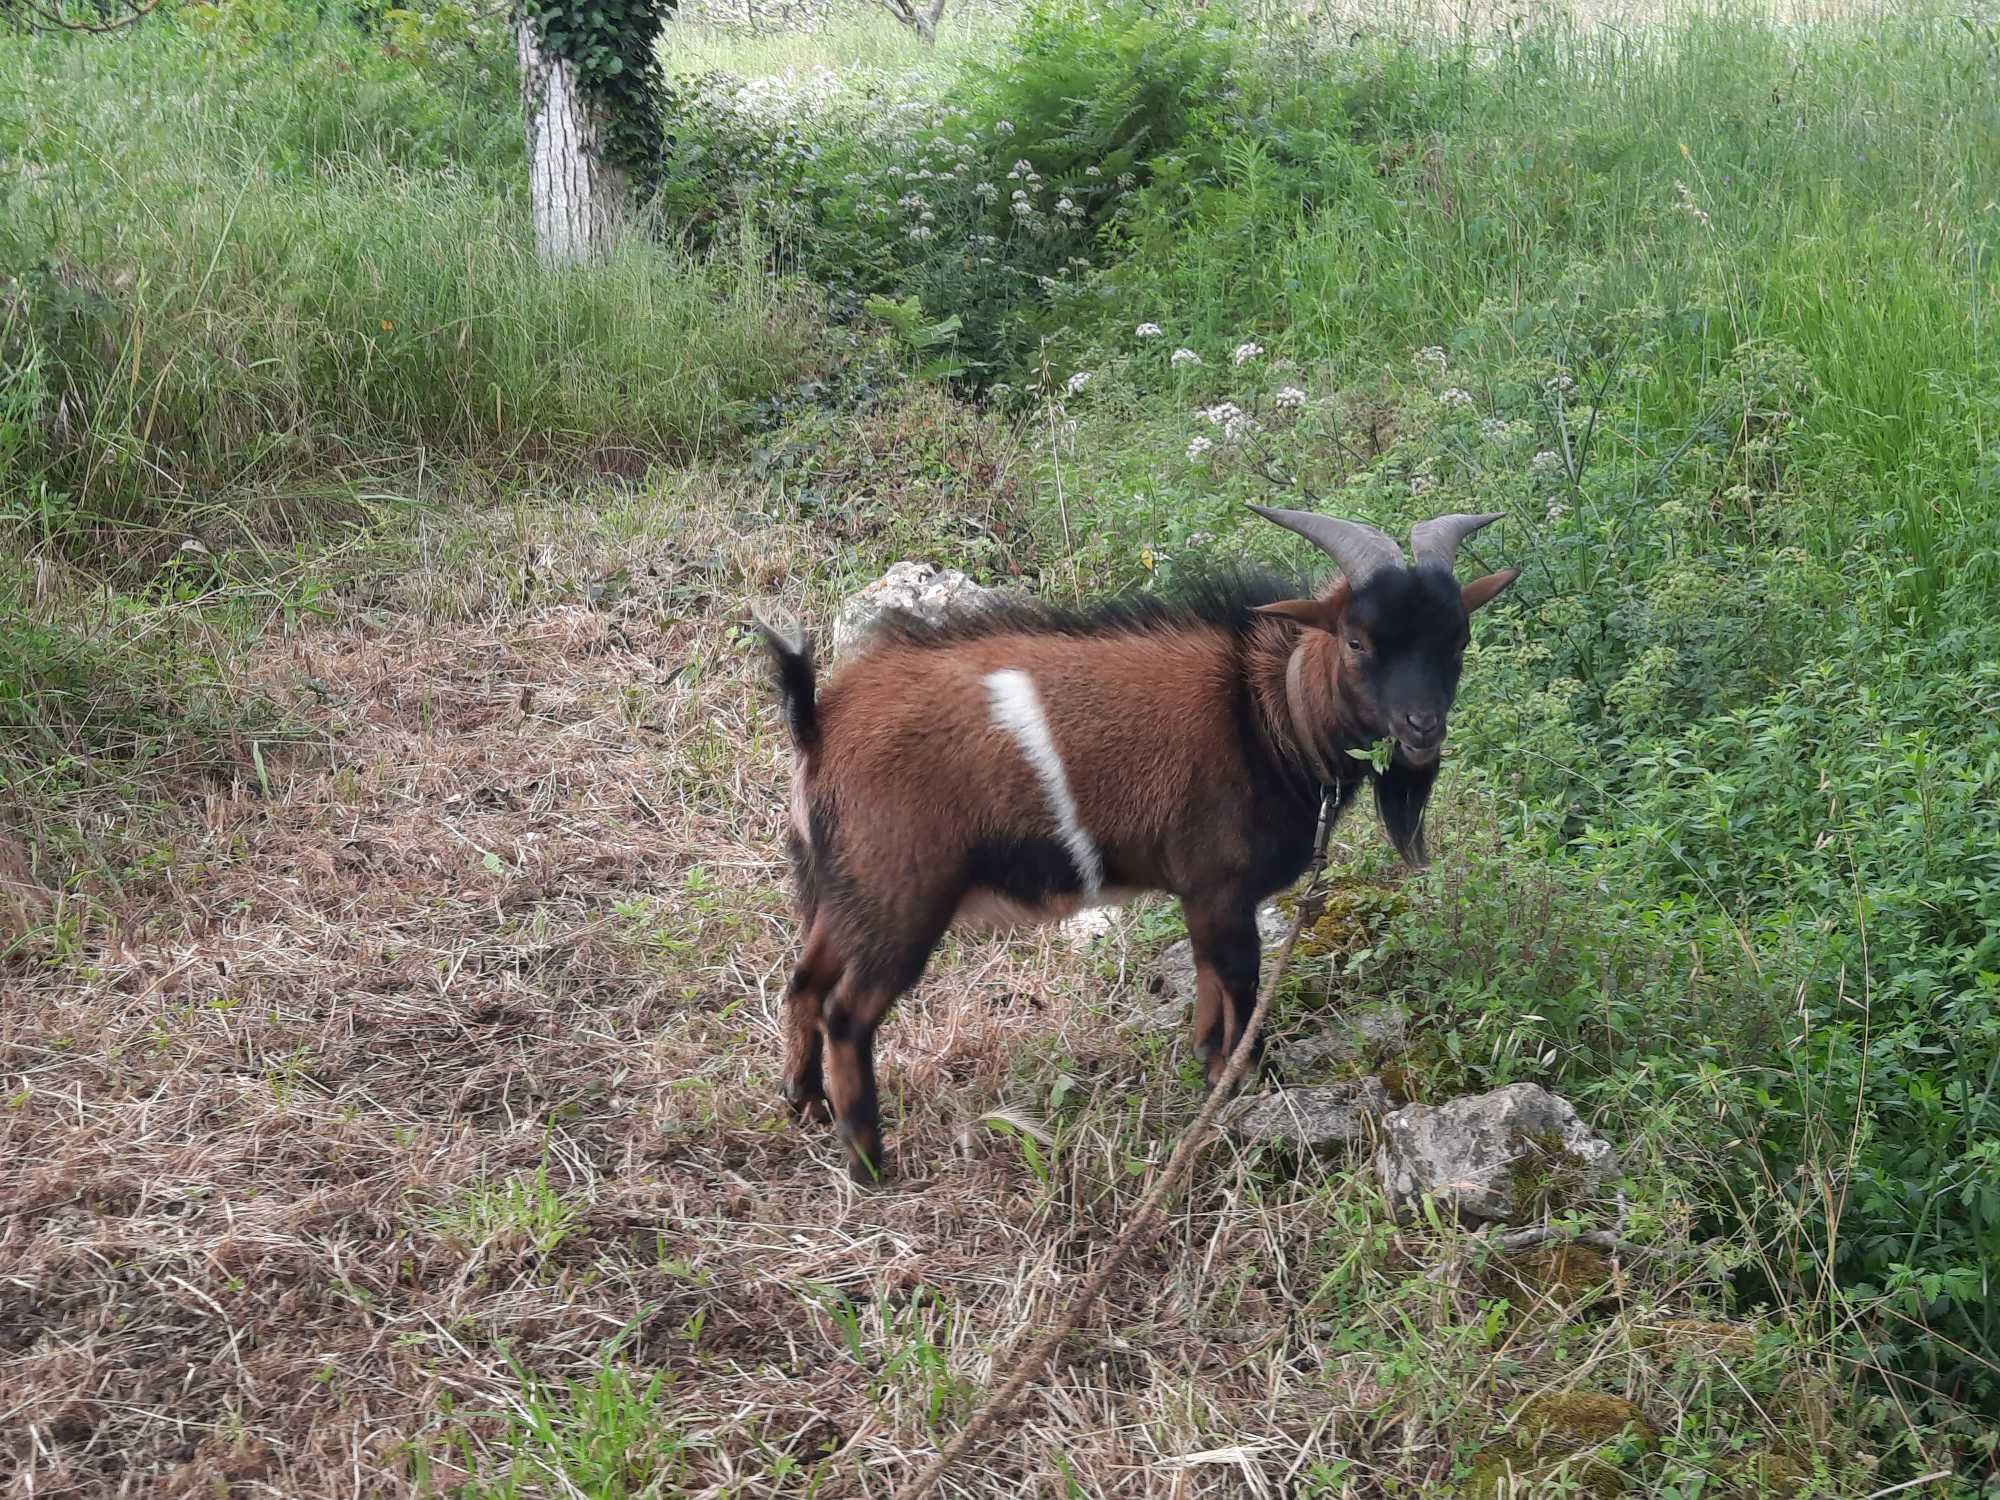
pixel 1547 1176
pixel 1764 1474
pixel 1582 1438
pixel 1552 1277
pixel 1356 911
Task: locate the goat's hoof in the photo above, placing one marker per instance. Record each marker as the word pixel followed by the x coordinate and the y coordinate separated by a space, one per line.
pixel 866 1165
pixel 805 1102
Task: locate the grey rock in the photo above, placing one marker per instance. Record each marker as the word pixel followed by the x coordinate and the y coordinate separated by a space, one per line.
pixel 1380 1032
pixel 1169 987
pixel 1499 1157
pixel 1087 926
pixel 1272 925
pixel 923 589
pixel 1337 1116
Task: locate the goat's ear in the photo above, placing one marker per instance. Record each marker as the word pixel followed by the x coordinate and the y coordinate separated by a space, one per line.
pixel 1483 591
pixel 1314 614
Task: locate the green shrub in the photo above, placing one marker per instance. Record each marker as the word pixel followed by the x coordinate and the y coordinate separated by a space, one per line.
pixel 983 204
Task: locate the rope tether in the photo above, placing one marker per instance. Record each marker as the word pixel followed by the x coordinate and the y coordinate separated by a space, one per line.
pixel 1146 1216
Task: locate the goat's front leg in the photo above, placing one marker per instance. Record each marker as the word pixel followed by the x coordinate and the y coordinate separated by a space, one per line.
pixel 1226 953
pixel 848 1019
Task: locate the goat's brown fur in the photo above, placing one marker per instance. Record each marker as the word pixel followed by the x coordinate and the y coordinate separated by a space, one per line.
pixel 1194 751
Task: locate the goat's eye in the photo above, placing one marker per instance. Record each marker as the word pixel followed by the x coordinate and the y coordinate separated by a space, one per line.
pixel 1355 643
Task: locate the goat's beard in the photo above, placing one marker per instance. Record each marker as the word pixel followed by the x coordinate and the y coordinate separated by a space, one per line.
pixel 1401 794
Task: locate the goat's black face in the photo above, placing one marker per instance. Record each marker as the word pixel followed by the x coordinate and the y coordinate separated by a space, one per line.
pixel 1402 647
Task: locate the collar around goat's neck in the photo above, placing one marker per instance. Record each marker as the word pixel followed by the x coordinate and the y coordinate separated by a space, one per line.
pixel 1303 734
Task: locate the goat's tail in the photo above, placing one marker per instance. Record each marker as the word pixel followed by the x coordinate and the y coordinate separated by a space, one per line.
pixel 798 682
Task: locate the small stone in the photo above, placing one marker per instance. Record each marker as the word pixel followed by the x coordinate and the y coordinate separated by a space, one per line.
pixel 1170 982
pixel 1272 925
pixel 1331 1118
pixel 1516 1153
pixel 925 590
pixel 1087 926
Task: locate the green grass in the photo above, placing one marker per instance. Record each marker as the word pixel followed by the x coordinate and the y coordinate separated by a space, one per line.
pixel 228 275
pixel 852 40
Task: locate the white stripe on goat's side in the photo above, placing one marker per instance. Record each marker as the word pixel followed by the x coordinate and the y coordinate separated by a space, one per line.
pixel 1017 708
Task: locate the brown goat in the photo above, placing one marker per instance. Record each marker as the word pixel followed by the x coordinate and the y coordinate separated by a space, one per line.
pixel 1019 763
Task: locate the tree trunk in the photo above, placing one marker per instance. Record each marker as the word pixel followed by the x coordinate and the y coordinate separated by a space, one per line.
pixel 578 198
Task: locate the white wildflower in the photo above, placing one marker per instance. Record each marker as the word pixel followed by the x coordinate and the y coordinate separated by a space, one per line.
pixel 1222 413
pixel 1003 127
pixel 1200 538
pixel 1561 384
pixel 1023 210
pixel 986 191
pixel 1420 484
pixel 1146 331
pixel 1557 510
pixel 1545 462
pixel 1431 357
pixel 1092 172
pixel 1288 396
pixel 1688 206
pixel 919 231
pixel 1001 388
pixel 1244 353
pixel 1185 357
pixel 1020 195
pixel 1024 169
pixel 1455 396
pixel 1126 179
pixel 1494 430
pixel 1199 446
pixel 1077 382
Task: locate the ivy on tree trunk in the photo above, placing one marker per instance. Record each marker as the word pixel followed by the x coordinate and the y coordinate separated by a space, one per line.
pixel 590 93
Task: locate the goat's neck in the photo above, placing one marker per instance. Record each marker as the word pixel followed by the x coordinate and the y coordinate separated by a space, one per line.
pixel 1302 705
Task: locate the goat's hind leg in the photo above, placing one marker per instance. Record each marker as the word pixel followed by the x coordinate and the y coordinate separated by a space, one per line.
pixel 849 1018
pixel 803 1080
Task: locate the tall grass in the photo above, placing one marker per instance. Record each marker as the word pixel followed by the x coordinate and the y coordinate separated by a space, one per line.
pixel 231 268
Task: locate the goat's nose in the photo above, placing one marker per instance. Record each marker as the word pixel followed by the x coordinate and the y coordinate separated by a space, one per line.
pixel 1423 720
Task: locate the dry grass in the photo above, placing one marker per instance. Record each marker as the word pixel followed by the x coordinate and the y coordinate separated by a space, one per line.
pixel 444 1075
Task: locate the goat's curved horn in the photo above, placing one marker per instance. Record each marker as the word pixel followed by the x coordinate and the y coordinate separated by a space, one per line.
pixel 1437 541
pixel 1361 551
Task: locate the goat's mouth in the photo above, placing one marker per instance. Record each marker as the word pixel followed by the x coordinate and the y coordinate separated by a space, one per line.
pixel 1420 752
